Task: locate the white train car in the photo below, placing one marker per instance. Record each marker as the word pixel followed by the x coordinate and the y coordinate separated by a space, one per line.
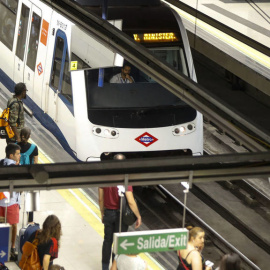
pixel 94 123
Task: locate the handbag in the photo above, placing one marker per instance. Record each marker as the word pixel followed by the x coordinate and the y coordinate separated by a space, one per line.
pixel 128 217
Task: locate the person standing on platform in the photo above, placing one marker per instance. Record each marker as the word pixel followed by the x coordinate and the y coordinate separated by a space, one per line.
pixel 48 239
pixel 123 76
pixel 191 257
pixel 25 146
pixel 16 113
pixel 109 203
pixel 29 155
pixel 13 203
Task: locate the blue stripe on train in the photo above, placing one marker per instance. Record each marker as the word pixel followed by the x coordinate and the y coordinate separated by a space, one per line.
pixel 42 117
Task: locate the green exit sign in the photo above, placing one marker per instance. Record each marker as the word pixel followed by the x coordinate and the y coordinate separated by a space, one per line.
pixel 150 241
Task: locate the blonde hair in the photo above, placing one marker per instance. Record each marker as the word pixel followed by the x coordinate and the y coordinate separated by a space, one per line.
pixel 193 231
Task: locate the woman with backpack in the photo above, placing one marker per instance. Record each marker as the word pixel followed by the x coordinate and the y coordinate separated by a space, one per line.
pixel 29 152
pixel 48 241
pixel 29 155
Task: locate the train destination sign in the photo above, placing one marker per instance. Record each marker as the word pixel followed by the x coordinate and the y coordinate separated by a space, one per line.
pixel 156 37
pixel 150 241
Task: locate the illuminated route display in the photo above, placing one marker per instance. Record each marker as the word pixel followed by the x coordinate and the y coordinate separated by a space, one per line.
pixel 156 37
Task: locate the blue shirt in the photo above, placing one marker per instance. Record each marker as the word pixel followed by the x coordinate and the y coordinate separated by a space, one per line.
pixel 15 197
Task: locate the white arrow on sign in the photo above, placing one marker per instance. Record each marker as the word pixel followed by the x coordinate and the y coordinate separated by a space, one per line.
pixel 3 253
pixel 125 244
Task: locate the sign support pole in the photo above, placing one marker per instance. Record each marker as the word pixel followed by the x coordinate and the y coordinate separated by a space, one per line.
pixel 185 197
pixel 121 202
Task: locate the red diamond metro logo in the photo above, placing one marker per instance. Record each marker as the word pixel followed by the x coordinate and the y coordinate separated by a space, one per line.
pixel 146 139
pixel 39 69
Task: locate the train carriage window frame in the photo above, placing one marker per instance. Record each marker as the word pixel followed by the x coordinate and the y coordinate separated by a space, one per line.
pixel 22 31
pixel 8 15
pixel 64 77
pixel 33 42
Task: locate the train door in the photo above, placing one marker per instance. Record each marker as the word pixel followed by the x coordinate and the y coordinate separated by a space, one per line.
pixel 60 79
pixel 27 45
pixel 8 18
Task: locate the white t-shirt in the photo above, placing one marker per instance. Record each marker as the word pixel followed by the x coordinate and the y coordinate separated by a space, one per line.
pixel 125 262
pixel 118 79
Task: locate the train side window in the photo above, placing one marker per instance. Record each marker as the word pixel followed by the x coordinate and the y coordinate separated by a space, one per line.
pixel 66 84
pixel 22 31
pixel 57 62
pixel 33 41
pixel 60 75
pixel 8 13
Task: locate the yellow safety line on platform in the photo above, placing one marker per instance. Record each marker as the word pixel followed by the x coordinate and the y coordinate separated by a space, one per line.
pixel 90 212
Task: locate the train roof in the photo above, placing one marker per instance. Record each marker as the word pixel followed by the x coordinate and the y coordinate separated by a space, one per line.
pixel 141 19
pixel 97 3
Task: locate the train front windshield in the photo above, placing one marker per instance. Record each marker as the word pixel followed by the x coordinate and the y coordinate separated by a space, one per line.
pixel 174 56
pixel 141 104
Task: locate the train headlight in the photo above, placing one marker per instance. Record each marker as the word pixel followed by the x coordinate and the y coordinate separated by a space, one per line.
pixel 190 127
pixel 184 129
pixel 177 131
pixel 105 132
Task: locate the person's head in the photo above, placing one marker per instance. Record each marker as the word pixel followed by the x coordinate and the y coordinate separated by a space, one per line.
pixel 196 236
pixel 230 262
pixel 126 70
pixel 51 228
pixel 56 267
pixel 25 134
pixel 119 157
pixel 13 151
pixel 20 90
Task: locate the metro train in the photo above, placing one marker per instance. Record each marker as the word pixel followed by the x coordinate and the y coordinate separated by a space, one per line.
pixel 39 46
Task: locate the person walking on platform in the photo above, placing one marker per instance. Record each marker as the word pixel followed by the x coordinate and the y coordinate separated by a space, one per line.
pixel 109 203
pixel 191 258
pixel 11 202
pixel 16 114
pixel 29 155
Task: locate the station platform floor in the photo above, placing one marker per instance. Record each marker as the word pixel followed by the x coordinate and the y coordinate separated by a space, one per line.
pixel 82 229
pixel 82 234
